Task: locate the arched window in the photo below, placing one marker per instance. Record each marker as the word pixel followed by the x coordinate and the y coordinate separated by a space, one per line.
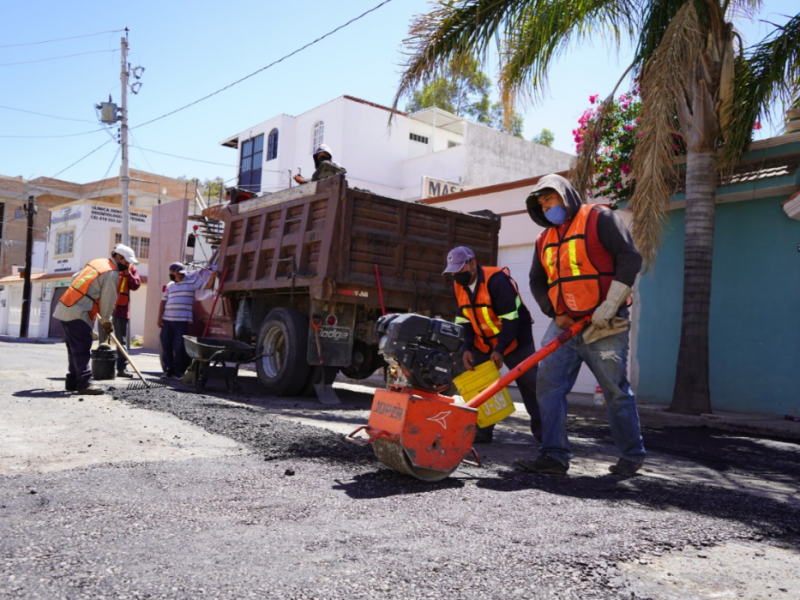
pixel 319 135
pixel 272 145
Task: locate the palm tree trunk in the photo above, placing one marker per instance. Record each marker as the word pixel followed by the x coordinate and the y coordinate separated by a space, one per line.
pixel 691 394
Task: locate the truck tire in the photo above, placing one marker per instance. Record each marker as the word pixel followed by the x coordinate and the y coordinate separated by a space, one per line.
pixel 283 340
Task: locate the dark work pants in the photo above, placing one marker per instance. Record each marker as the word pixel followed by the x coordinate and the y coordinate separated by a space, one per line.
pixel 78 336
pixel 173 352
pixel 121 333
pixel 526 384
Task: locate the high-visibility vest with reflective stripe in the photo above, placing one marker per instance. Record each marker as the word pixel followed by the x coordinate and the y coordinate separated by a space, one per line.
pixel 123 291
pixel 80 284
pixel 579 268
pixel 481 315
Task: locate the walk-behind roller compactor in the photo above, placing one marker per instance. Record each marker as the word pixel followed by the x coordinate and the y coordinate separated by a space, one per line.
pixel 414 428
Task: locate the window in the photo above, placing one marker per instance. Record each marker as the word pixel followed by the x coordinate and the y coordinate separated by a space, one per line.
pixel 250 165
pixel 64 242
pixel 2 218
pixel 319 135
pixel 272 145
pixel 417 138
pixel 140 245
pixel 452 144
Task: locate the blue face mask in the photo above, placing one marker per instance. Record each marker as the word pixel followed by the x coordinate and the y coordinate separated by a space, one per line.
pixel 556 215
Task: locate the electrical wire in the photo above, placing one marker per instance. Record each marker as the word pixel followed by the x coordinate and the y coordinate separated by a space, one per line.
pixel 30 137
pixel 100 182
pixel 136 144
pixel 28 62
pixel 84 157
pixel 74 37
pixel 208 162
pixel 272 64
pixel 44 115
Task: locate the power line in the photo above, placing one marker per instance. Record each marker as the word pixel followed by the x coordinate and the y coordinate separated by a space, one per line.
pixel 28 62
pixel 74 37
pixel 272 64
pixel 82 158
pixel 185 157
pixel 45 115
pixel 52 136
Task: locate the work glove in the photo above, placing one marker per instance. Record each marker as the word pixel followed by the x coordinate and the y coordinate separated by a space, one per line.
pixel 591 334
pixel 618 293
pixel 107 327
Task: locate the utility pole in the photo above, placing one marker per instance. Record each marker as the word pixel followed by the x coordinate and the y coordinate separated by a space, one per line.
pixel 124 175
pixel 30 209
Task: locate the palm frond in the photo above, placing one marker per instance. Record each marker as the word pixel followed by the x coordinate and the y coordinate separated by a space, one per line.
pixel 454 30
pixel 546 29
pixel 530 34
pixel 769 72
pixel 663 82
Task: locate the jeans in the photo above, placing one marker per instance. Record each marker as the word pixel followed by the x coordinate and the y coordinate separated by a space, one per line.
pixel 607 359
pixel 173 352
pixel 526 384
pixel 78 337
pixel 121 333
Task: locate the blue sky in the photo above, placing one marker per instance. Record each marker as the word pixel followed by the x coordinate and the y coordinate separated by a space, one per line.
pixel 191 49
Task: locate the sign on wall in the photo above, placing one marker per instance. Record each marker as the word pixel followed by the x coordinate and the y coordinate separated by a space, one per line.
pixel 433 188
pixel 110 214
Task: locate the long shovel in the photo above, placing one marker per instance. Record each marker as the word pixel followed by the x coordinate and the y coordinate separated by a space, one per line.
pixel 128 358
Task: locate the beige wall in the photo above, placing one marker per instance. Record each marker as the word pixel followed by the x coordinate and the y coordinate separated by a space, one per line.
pixel 167 245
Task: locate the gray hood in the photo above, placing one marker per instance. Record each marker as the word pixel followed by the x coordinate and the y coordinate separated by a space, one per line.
pixel 572 200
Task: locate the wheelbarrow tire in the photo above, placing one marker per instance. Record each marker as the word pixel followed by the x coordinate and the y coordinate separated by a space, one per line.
pixel 283 341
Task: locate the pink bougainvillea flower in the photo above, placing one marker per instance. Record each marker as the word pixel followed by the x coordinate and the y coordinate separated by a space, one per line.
pixel 757 125
pixel 629 127
pixel 626 169
pixel 594 98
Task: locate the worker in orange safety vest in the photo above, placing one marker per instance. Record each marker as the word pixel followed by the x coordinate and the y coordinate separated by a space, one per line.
pixel 497 326
pixel 129 281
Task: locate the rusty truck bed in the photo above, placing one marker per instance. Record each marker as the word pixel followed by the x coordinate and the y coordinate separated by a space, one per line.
pixel 325 239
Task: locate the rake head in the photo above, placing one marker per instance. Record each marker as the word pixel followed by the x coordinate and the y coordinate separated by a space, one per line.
pixel 139 384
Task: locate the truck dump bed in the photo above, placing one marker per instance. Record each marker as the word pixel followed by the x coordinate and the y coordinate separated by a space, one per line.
pixel 326 239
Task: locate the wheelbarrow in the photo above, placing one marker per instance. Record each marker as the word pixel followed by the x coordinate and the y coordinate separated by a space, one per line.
pixel 211 359
pixel 427 435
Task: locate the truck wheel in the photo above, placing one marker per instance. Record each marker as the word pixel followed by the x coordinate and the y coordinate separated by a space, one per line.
pixel 283 340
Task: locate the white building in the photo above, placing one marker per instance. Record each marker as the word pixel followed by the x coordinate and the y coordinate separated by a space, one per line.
pixel 391 153
pixel 79 232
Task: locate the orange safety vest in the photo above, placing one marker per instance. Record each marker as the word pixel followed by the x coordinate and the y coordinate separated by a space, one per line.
pixel 81 282
pixel 123 291
pixel 579 268
pixel 480 313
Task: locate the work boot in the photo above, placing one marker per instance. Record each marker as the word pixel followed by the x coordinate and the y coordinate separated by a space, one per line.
pixel 483 436
pixel 125 373
pixel 544 464
pixel 91 390
pixel 625 467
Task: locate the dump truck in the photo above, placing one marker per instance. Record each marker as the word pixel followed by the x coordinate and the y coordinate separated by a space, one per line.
pixel 308 271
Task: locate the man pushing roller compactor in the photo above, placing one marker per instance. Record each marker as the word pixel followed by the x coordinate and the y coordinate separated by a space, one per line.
pixel 585 263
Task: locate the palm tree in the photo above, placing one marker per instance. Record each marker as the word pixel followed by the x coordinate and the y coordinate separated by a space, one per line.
pixel 692 69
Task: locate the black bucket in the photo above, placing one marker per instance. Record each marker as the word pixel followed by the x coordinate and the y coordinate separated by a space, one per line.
pixel 104 361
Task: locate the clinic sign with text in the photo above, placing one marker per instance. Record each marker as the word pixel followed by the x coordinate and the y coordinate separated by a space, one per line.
pixel 433 188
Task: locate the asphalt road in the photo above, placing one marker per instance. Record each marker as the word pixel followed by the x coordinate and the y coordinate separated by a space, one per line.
pixel 164 493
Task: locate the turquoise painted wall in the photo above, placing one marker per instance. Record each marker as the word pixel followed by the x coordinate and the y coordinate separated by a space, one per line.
pixel 755 311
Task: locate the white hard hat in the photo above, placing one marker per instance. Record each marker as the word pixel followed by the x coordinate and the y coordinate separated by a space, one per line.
pixel 126 252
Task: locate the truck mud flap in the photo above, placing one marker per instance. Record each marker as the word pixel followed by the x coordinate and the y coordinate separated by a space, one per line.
pixel 336 333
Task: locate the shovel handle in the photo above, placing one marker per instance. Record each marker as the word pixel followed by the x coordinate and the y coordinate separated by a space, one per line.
pixel 128 358
pixel 528 363
pixel 316 323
